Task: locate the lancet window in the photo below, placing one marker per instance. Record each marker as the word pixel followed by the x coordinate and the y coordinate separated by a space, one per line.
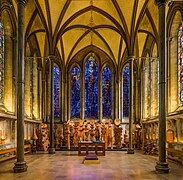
pixel 126 91
pixel 107 92
pixel 57 80
pixel 75 92
pixel 91 87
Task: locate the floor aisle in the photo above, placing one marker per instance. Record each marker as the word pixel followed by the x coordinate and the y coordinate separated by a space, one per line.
pixel 68 166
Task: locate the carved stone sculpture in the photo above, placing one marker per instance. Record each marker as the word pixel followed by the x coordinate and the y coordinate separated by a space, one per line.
pixel 45 137
pixel 118 136
pixel 86 131
pixel 103 132
pixel 75 138
pixel 97 131
pixel 92 130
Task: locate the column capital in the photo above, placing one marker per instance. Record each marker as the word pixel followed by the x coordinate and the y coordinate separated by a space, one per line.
pixel 160 2
pixel 39 68
pixel 23 2
pixel 51 57
pixel 131 58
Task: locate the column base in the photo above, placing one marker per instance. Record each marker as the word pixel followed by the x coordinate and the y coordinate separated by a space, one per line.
pixel 51 150
pixel 130 151
pixel 20 167
pixel 3 108
pixel 162 167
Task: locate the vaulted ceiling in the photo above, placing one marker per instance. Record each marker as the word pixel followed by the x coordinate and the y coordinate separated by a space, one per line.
pixel 113 26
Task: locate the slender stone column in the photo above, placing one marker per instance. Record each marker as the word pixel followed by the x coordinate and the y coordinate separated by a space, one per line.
pixel 31 88
pixel 39 93
pixel 69 96
pixel 20 165
pixel 82 95
pixel 113 95
pixel 138 98
pixel 35 86
pixel 100 109
pixel 46 105
pixel 130 149
pixel 117 97
pixel 15 57
pixel 51 148
pixel 60 98
pixel 43 103
pixel 161 165
pixel 65 99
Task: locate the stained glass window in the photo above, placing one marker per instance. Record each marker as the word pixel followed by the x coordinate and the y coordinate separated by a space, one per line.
pixel 91 88
pixel 57 78
pixel 1 63
pixel 126 91
pixel 180 63
pixel 75 92
pixel 106 92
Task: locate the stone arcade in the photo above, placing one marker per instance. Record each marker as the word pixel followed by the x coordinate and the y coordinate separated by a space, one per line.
pixel 88 71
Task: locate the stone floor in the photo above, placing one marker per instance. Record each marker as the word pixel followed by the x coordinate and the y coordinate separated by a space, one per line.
pixel 68 165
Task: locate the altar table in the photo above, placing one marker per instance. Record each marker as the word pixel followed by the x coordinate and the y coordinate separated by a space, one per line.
pixel 89 145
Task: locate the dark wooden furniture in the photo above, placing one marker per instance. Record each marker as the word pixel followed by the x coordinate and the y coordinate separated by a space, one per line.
pixel 11 152
pixel 7 154
pixel 174 154
pixel 89 146
pixel 151 149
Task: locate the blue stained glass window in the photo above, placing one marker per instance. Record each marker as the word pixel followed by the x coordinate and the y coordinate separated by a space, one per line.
pixel 106 92
pixel 75 92
pixel 91 88
pixel 1 63
pixel 57 78
pixel 180 64
pixel 126 91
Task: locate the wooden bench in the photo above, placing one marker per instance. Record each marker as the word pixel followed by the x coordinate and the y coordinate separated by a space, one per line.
pixel 172 154
pixel 7 154
pixel 11 152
